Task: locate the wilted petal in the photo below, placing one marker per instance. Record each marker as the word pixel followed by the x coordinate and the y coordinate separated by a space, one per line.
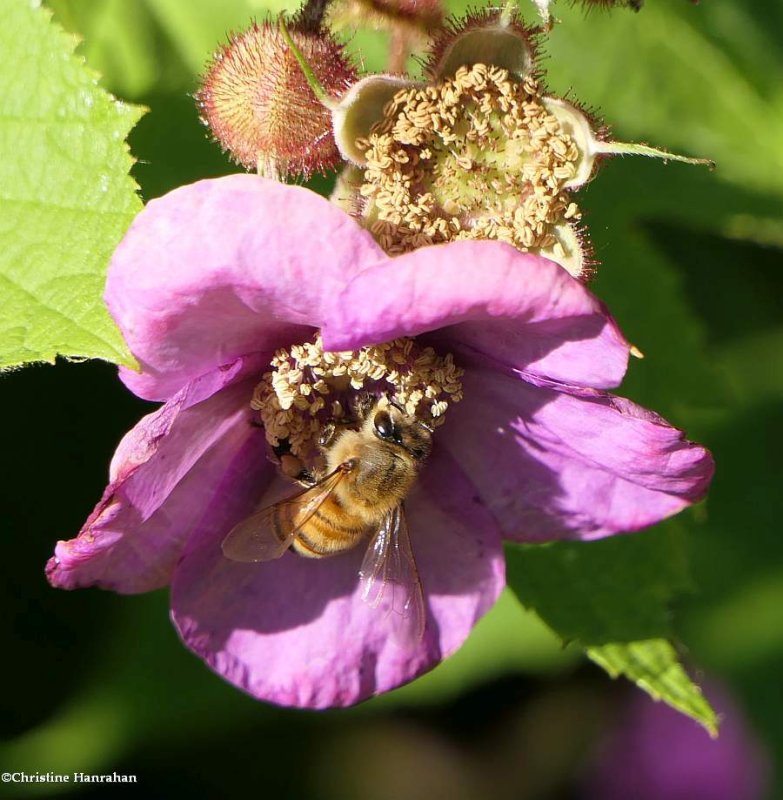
pixel 560 462
pixel 522 310
pixel 296 632
pixel 163 476
pixel 223 268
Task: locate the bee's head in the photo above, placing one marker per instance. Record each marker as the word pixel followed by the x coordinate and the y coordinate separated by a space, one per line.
pixel 391 424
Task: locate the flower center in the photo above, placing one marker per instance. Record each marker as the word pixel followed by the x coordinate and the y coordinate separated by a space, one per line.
pixel 476 156
pixel 308 390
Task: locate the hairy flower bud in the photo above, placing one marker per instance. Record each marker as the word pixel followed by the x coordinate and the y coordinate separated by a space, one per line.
pixel 259 105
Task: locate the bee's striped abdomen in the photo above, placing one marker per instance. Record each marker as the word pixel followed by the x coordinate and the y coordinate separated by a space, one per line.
pixel 330 530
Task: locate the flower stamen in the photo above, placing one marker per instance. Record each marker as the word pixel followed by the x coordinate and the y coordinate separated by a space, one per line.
pixel 308 388
pixel 475 156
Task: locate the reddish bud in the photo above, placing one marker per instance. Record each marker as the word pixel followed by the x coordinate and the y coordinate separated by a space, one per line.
pixel 259 106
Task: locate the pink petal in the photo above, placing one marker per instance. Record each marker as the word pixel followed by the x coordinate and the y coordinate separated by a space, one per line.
pixel 163 476
pixel 223 268
pixel 560 462
pixel 522 310
pixel 296 632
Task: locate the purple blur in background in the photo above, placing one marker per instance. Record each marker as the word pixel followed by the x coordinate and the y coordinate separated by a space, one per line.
pixel 656 753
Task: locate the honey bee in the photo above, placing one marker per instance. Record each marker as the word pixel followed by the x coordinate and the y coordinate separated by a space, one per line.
pixel 369 472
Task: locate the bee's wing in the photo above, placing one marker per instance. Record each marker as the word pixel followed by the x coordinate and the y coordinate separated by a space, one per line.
pixel 389 571
pixel 268 533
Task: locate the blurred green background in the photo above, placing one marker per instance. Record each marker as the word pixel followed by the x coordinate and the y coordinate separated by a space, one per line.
pixel 692 269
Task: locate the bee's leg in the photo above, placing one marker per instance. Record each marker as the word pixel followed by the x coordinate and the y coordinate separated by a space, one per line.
pixel 291 466
pixel 332 430
pixel 362 405
pixel 327 435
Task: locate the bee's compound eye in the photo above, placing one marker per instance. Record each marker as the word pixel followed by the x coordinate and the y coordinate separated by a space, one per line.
pixel 384 426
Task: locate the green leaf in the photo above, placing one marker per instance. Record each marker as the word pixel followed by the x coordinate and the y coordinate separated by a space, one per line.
pixel 730 309
pixel 613 598
pixel 65 195
pixel 645 291
pixel 653 666
pixel 615 589
pixel 734 621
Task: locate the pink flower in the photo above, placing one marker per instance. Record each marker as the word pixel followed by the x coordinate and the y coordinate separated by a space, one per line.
pixel 656 753
pixel 214 277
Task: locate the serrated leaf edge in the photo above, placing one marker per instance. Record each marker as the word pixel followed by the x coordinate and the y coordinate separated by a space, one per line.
pixel 129 114
pixel 690 702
